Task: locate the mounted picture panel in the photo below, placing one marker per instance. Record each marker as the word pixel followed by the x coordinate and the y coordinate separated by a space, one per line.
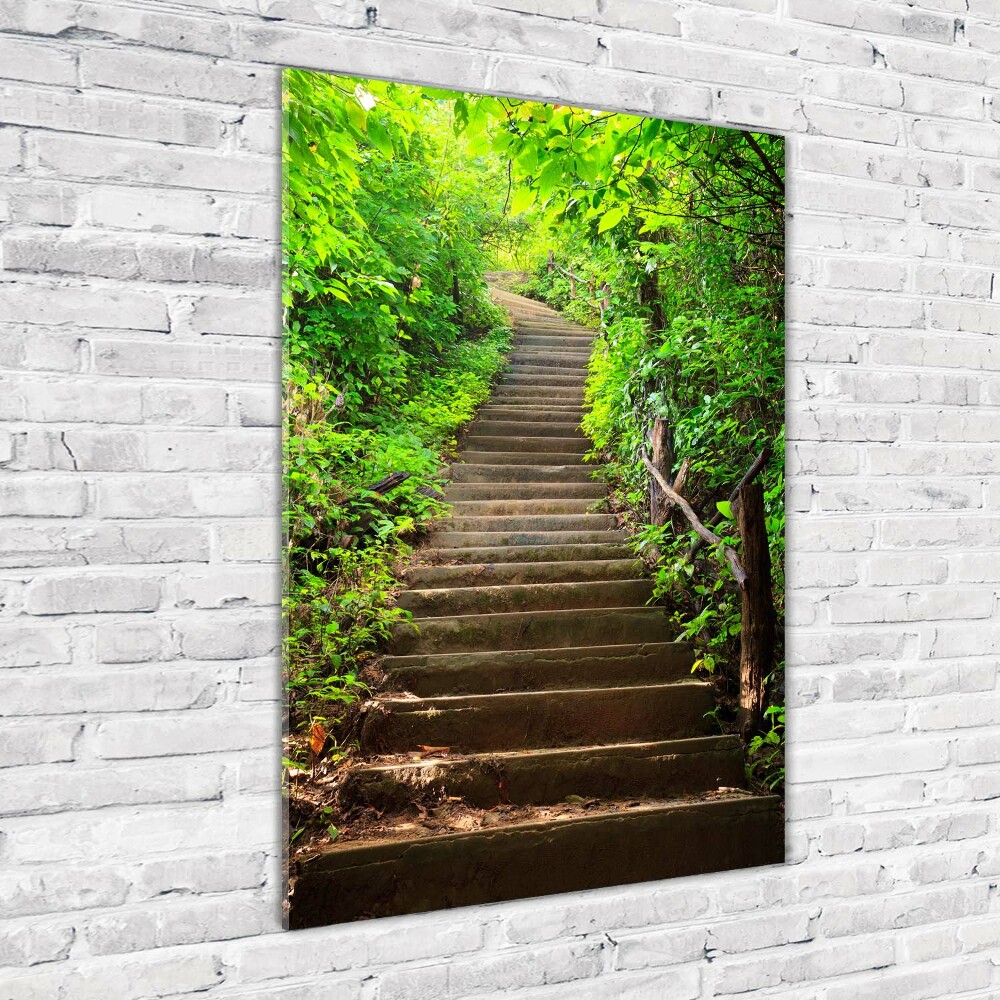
pixel 534 470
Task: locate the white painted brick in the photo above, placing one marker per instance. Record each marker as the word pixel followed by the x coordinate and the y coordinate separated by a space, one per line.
pixel 173 74
pixel 32 646
pixel 182 360
pixel 79 593
pixel 42 497
pixel 83 305
pixel 135 642
pixel 107 114
pixel 209 639
pixel 37 743
pixel 190 496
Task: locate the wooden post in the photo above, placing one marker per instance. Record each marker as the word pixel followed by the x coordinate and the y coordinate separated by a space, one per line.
pixel 662 457
pixel 758 619
pixel 552 261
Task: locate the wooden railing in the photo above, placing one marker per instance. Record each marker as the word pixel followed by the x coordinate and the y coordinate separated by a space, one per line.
pixel 751 567
pixel 602 304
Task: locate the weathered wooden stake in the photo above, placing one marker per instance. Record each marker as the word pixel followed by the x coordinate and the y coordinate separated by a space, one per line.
pixel 758 619
pixel 661 455
pixel 552 261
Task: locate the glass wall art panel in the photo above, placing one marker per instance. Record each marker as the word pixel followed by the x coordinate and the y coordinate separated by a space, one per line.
pixel 533 384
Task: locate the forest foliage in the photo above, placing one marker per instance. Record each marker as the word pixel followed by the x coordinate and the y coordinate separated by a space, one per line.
pixel 397 200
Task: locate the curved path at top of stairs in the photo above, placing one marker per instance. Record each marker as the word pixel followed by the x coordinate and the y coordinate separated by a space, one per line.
pixel 578 753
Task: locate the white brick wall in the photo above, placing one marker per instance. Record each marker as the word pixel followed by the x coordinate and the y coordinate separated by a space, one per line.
pixel 139 711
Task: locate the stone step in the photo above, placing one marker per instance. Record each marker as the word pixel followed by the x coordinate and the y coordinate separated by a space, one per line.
pixel 527 522
pixel 514 429
pixel 530 720
pixel 542 377
pixel 491 508
pixel 430 675
pixel 539 396
pixel 658 770
pixel 461 492
pixel 492 574
pixel 549 458
pixel 559 552
pixel 558 340
pixel 479 440
pixel 494 472
pixel 547 596
pixel 494 539
pixel 531 413
pixel 530 630
pixel 550 359
pixel 614 846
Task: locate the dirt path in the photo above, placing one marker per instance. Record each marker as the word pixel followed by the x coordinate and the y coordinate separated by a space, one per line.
pixel 542 734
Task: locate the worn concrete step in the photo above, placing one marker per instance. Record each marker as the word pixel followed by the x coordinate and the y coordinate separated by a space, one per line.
pixel 558 552
pixel 429 675
pixel 510 508
pixel 658 770
pixel 527 522
pixel 492 574
pixel 543 377
pixel 495 472
pixel 558 340
pixel 495 539
pixel 579 356
pixel 546 596
pixel 461 492
pixel 531 413
pixel 562 457
pixel 514 429
pixel 530 326
pixel 529 720
pixel 535 395
pixel 551 359
pixel 616 846
pixel 530 630
pixel 479 441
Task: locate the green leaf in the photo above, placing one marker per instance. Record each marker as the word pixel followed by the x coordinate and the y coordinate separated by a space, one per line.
pixel 725 509
pixel 611 218
pixel 378 135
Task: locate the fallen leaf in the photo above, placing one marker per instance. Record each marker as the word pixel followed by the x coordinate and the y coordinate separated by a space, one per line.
pixel 317 738
pixel 427 749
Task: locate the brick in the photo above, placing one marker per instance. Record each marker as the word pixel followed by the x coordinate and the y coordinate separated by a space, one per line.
pixel 35 944
pixel 173 74
pixel 86 593
pixel 166 734
pixel 95 157
pixel 35 693
pixel 182 360
pixel 224 495
pixel 39 496
pixel 84 305
pixel 135 642
pixel 106 114
pixel 197 405
pixel 77 788
pixel 242 316
pixel 35 742
pixel 32 646
pixel 31 61
pixel 204 639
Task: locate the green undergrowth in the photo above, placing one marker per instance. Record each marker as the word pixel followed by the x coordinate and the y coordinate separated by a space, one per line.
pixel 707 355
pixel 344 541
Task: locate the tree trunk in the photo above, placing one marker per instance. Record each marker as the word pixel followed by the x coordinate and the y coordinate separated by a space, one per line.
pixel 758 619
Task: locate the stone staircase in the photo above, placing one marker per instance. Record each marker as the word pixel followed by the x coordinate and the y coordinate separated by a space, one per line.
pixel 538 700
